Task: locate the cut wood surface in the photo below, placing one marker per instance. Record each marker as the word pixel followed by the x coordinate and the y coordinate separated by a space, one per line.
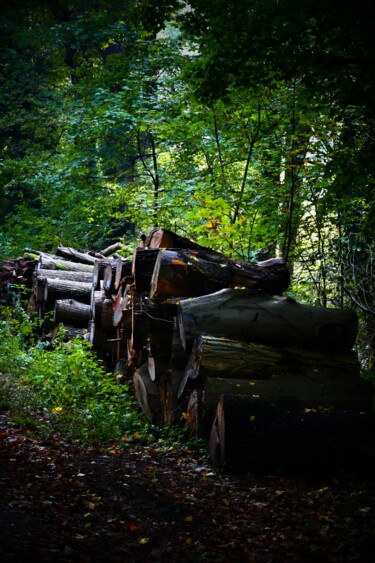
pixel 142 268
pixel 225 358
pixel 147 393
pixel 253 317
pixel 164 238
pixel 269 436
pixel 72 312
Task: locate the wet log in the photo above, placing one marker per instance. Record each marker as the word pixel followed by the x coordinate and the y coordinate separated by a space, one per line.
pixel 193 273
pixel 225 358
pixel 268 436
pixel 71 312
pixel 56 288
pixel 313 391
pixel 147 394
pixel 255 317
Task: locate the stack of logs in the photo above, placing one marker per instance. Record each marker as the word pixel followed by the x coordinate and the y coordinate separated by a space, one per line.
pixel 208 341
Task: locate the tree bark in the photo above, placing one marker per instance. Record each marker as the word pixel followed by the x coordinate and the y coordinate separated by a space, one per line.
pixel 255 317
pixel 57 288
pixel 49 263
pixel 71 312
pixel 269 436
pixel 86 277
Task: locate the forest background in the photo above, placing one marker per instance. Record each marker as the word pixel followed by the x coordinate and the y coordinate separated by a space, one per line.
pixel 246 125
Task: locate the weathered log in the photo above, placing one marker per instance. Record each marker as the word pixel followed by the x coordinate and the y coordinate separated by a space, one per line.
pixel 86 277
pixel 74 255
pixel 269 436
pixel 142 268
pixel 314 391
pixel 71 312
pixel 147 394
pixel 255 317
pixel 193 273
pixel 49 263
pixel 57 288
pixel 224 358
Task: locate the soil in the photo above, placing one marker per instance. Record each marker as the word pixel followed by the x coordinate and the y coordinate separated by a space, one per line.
pixel 64 502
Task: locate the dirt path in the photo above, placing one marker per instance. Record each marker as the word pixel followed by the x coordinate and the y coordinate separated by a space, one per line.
pixel 60 502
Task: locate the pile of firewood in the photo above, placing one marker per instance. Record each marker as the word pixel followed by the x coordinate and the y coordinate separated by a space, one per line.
pixel 211 342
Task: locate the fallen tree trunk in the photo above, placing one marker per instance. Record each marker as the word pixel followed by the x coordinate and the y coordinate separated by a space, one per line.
pixel 268 436
pixel 72 313
pixel 78 276
pixel 255 317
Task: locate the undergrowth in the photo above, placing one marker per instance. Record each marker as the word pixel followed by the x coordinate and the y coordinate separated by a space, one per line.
pixel 62 386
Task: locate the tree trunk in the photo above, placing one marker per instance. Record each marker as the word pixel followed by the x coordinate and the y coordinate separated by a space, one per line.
pixel 254 317
pixel 269 436
pixel 147 394
pixel 72 313
pixel 86 277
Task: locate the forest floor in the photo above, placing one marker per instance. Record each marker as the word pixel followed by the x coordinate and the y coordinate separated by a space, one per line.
pixel 61 501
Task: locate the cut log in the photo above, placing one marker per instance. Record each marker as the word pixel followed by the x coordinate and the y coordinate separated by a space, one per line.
pixel 142 268
pixel 194 273
pixel 313 391
pixel 123 272
pixel 49 263
pixel 224 358
pixel 57 288
pixel 164 238
pixel 268 436
pixel 103 313
pixel 147 394
pixel 112 248
pixel 86 277
pixel 255 317
pixel 71 312
pixel 74 255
